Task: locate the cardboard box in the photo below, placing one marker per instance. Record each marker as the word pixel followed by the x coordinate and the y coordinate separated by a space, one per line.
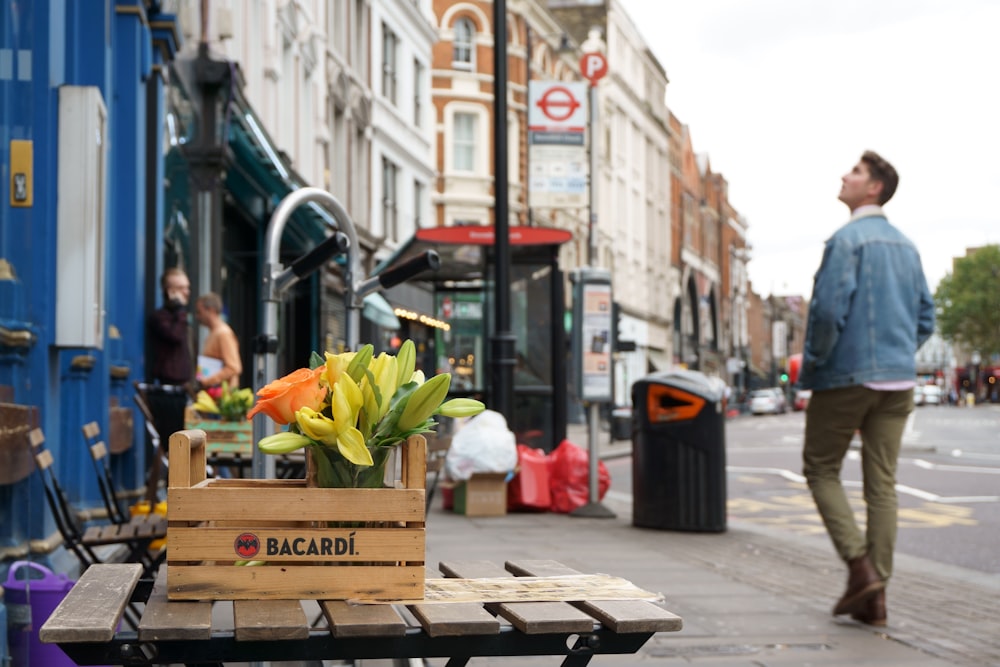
pixel 484 494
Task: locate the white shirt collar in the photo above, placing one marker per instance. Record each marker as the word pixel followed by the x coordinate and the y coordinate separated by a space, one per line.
pixel 866 211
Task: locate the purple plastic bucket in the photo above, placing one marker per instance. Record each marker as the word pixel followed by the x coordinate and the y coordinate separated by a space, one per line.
pixel 32 592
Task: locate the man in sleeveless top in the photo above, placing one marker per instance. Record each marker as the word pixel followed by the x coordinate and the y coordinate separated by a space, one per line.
pixel 221 344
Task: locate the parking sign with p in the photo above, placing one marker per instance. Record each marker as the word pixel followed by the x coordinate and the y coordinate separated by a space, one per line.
pixel 593 66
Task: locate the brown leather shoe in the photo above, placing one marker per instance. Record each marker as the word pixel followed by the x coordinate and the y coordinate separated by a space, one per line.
pixel 874 611
pixel 862 583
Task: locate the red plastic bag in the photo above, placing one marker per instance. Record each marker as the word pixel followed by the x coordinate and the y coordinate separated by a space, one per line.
pixel 529 490
pixel 569 477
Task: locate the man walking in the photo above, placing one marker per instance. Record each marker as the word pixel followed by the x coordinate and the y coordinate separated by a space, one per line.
pixel 870 311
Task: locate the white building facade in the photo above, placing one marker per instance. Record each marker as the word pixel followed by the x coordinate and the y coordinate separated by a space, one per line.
pixel 402 172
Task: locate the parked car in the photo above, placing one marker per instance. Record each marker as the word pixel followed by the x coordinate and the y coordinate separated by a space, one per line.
pixel 802 397
pixel 931 394
pixel 918 395
pixel 769 401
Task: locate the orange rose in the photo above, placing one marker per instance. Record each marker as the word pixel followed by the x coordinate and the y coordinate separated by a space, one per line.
pixel 283 397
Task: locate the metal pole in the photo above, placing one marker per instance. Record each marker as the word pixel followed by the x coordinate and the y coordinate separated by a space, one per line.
pixel 594 411
pixel 593 508
pixel 276 279
pixel 503 343
pixel 592 203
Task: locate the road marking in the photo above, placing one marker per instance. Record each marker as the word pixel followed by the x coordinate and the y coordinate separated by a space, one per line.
pixel 797 513
pixel 901 488
pixel 958 453
pixel 780 472
pixel 930 465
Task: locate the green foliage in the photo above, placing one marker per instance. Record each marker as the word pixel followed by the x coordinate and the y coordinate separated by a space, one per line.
pixel 233 404
pixel 968 301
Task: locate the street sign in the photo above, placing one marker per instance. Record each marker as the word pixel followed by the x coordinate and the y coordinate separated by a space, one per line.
pixel 593 66
pixel 557 107
pixel 557 120
pixel 558 104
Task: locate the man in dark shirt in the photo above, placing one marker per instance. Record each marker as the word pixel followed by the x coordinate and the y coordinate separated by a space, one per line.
pixel 170 364
pixel 170 351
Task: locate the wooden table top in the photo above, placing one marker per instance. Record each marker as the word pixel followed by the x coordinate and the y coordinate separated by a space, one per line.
pixel 85 623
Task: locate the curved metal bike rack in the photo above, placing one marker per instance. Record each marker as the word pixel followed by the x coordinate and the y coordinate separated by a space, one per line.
pixel 277 279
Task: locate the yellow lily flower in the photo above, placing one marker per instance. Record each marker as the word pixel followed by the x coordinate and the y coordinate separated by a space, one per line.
pixel 317 426
pixel 461 407
pixel 384 370
pixel 346 403
pixel 335 365
pixel 351 445
pixel 283 443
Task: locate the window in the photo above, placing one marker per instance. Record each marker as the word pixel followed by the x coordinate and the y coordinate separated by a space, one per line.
pixel 418 91
pixel 338 23
pixel 390 174
pixel 464 45
pixel 360 38
pixel 418 204
pixel 389 45
pixel 464 142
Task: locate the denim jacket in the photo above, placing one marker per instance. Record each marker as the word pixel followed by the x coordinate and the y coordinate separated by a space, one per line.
pixel 870 308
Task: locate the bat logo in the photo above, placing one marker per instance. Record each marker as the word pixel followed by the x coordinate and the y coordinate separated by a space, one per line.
pixel 247 545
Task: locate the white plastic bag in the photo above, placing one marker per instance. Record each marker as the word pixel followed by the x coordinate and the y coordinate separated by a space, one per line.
pixel 484 444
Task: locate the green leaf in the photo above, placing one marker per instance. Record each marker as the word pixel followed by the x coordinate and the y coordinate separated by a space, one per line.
pixel 359 362
pixel 425 401
pixel 316 360
pixel 406 361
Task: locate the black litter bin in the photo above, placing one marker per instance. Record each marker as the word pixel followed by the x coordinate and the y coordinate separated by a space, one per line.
pixel 679 452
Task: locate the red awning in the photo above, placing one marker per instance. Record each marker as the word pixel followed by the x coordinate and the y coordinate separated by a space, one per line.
pixel 485 235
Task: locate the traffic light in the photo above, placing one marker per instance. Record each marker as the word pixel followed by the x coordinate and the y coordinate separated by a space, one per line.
pixel 783 377
pixel 617 344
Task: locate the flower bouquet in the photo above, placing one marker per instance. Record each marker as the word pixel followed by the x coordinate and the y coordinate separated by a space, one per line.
pixel 351 409
pixel 231 406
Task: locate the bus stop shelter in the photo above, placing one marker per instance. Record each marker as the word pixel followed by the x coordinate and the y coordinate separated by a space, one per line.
pixel 464 293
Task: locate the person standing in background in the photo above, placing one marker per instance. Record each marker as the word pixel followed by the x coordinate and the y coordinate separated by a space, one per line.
pixel 870 311
pixel 170 363
pixel 170 345
pixel 221 346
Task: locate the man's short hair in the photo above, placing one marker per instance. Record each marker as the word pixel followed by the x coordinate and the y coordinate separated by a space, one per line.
pixel 883 172
pixel 211 301
pixel 172 271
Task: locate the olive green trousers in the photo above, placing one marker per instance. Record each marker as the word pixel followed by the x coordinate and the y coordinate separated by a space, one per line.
pixel 832 417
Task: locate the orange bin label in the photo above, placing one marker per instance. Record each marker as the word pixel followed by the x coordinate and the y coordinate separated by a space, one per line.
pixel 667 404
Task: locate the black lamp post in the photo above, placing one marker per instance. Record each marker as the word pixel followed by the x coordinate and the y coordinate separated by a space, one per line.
pixel 503 358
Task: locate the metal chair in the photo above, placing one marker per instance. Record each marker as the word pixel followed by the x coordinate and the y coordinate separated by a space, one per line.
pixel 158 455
pixel 135 535
pixel 102 468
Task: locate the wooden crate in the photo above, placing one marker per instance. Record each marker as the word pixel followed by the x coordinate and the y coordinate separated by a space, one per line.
pixel 212 523
pixel 222 436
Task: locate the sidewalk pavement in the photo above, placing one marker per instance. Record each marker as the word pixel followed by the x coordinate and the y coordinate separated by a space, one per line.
pixel 748 596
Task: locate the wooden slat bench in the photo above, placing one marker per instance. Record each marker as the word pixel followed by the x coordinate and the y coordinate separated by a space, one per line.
pixel 264 630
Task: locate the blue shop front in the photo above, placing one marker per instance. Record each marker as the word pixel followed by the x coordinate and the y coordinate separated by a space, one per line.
pixel 81 112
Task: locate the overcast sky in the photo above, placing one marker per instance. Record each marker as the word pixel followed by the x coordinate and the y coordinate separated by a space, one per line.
pixel 785 95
